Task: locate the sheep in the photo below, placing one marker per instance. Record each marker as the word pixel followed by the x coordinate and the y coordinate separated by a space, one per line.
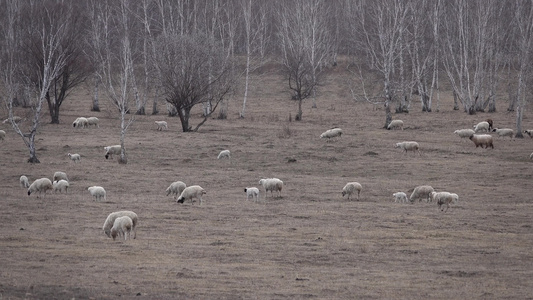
pixel 122 226
pixel 93 121
pixel 110 150
pixel 395 124
pixel 350 188
pixel 464 133
pixel 331 133
pixel 420 192
pixel 481 126
pixel 2 135
pixel 190 192
pixel 75 157
pixel 60 175
pixel 503 132
pixel 176 188
pixel 24 182
pixel 272 185
pixel 490 123
pixel 16 119
pixel 61 185
pixel 224 154
pixel 110 221
pixel 97 192
pixel 408 146
pixel 400 197
pixel 482 140
pixel 80 122
pixel 161 125
pixel 529 132
pixel 444 198
pixel 40 185
pixel 252 192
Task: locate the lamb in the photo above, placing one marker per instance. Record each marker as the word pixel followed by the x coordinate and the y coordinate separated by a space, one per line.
pixel 481 126
pixel 97 192
pixel 400 197
pixel 122 226
pixel 176 188
pixel 2 135
pixel 503 132
pixel 190 192
pixel 61 185
pixel 224 154
pixel 482 140
pixel 16 119
pixel 464 133
pixel 75 157
pixel 60 175
pixel 40 185
pixel 252 192
pixel 24 182
pixel 331 133
pixel 93 121
pixel 420 192
pixel 350 188
pixel 80 122
pixel 272 185
pixel 161 125
pixel 408 146
pixel 395 124
pixel 444 198
pixel 110 221
pixel 110 150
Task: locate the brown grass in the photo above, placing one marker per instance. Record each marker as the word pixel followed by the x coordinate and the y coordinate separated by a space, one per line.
pixel 310 243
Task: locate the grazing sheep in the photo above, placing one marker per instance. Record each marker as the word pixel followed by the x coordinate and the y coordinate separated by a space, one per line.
pixel 490 123
pixel 444 198
pixel 190 192
pixel 224 154
pixel 481 126
pixel 97 192
pixel 420 192
pixel 80 122
pixel 331 133
pixel 464 133
pixel 482 140
pixel 176 188
pixel 93 121
pixel 75 157
pixel 161 125
pixel 110 221
pixel 61 186
pixel 252 192
pixel 350 188
pixel 400 197
pixel 16 119
pixel 24 182
pixel 2 135
pixel 408 146
pixel 60 175
pixel 504 132
pixel 40 185
pixel 122 227
pixel 272 185
pixel 395 124
pixel 529 132
pixel 110 150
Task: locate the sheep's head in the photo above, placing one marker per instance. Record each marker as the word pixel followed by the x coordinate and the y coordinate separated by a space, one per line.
pixel 245 190
pixel 107 232
pixel 343 193
pixel 106 156
pixel 114 234
pixel 180 200
pixel 29 192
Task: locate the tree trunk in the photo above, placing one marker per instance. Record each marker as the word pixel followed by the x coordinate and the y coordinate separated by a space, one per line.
pixel 31 144
pixel 184 118
pixel 298 116
pixel 96 106
pixel 519 122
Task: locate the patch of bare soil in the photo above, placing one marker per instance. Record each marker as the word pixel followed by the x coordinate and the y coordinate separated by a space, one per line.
pixel 308 244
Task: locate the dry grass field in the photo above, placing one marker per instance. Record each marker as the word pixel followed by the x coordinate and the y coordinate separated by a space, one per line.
pixel 309 244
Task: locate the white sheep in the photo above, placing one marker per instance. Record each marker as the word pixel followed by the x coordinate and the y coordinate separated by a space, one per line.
pixel 350 188
pixel 110 150
pixel 408 146
pixel 421 192
pixel 395 124
pixel 75 157
pixel 40 185
pixel 16 119
pixel 481 126
pixel 60 175
pixel 97 192
pixel 444 198
pixel 529 132
pixel 272 185
pixel 331 133
pixel 2 135
pixel 80 122
pixel 224 154
pixel 122 227
pixel 24 182
pixel 464 133
pixel 503 132
pixel 190 192
pixel 400 197
pixel 161 125
pixel 93 121
pixel 482 140
pixel 252 192
pixel 61 186
pixel 110 221
pixel 176 188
